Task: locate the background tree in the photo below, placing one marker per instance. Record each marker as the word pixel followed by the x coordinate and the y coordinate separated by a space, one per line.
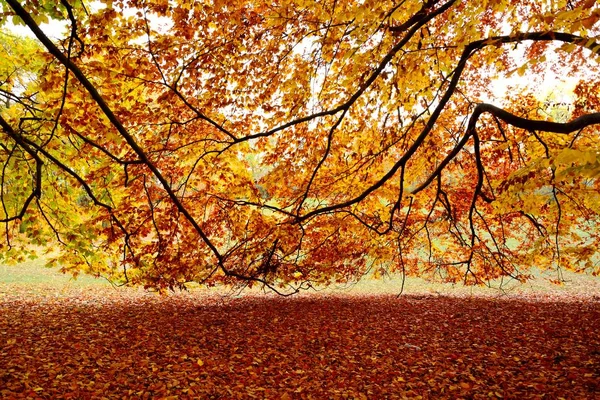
pixel 301 142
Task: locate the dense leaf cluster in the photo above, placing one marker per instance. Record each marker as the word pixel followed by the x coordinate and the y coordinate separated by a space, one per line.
pixel 296 142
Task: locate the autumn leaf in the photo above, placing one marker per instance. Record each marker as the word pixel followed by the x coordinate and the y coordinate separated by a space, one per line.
pixel 291 145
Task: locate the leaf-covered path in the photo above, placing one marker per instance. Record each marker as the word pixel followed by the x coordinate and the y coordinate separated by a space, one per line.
pixel 307 347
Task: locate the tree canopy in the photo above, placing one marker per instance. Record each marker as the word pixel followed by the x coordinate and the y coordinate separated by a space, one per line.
pixel 300 142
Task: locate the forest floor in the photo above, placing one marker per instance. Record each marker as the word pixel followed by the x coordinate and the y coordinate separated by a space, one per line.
pixel 84 340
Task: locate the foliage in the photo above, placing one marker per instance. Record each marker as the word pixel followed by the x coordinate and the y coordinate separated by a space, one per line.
pixel 99 346
pixel 300 142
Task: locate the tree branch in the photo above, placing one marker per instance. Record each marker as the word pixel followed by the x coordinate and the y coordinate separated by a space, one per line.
pixel 114 120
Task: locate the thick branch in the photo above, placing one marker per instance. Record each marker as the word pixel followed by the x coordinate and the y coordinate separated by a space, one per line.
pixel 419 20
pixel 514 120
pixel 37 186
pixel 114 120
pixel 469 50
pixel 537 125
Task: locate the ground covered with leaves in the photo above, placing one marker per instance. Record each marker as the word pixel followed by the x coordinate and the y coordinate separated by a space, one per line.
pixel 101 345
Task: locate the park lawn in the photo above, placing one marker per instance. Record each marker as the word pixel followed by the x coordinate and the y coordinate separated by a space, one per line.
pixel 82 339
pixel 34 277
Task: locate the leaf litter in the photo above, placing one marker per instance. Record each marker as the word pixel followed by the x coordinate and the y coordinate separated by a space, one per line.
pixel 110 344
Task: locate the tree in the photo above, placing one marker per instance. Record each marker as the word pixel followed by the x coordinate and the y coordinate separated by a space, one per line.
pixel 301 142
